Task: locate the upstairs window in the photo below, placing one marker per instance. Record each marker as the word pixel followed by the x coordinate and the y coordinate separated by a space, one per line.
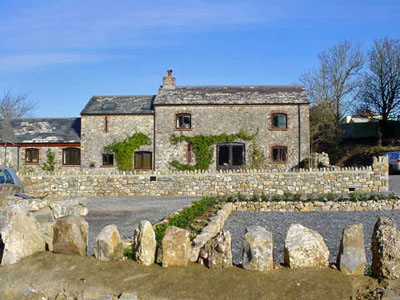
pixel 143 160
pixel 184 121
pixel 71 156
pixel 279 121
pixel 32 156
pixel 279 154
pixel 108 159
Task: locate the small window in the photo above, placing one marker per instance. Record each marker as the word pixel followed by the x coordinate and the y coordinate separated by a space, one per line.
pixel 143 160
pixel 279 121
pixel 183 121
pixel 71 156
pixel 32 155
pixel 109 106
pixel 108 159
pixel 279 154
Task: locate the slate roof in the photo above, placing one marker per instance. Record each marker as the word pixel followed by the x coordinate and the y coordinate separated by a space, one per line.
pixel 218 95
pixel 40 130
pixel 122 105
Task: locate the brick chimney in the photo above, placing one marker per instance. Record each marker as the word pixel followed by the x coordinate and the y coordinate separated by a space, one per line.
pixel 169 81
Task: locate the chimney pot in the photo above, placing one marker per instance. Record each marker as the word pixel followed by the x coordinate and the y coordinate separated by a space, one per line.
pixel 169 81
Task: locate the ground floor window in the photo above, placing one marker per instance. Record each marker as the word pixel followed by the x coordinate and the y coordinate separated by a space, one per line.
pixel 143 160
pixel 230 156
pixel 32 155
pixel 71 156
pixel 279 154
pixel 108 159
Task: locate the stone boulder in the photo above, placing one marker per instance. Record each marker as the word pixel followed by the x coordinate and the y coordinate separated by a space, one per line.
pixel 217 253
pixel 258 249
pixel 70 236
pixel 108 244
pixel 144 243
pixel 176 247
pixel 351 258
pixel 305 248
pixel 20 238
pixel 72 207
pixel 385 246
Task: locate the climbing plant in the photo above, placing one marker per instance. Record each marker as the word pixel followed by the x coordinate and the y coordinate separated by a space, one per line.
pixel 202 148
pixel 124 150
pixel 256 156
pixel 51 161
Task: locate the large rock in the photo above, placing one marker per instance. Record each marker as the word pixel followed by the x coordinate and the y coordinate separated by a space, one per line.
pixel 351 258
pixel 258 249
pixel 385 246
pixel 144 243
pixel 176 247
pixel 305 248
pixel 217 253
pixel 108 244
pixel 20 238
pixel 72 207
pixel 70 235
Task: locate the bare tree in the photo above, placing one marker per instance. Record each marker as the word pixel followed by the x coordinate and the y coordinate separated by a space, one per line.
pixel 381 83
pixel 332 89
pixel 336 81
pixel 15 106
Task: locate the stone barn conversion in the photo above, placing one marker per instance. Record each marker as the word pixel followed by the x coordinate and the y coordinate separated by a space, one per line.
pixel 243 125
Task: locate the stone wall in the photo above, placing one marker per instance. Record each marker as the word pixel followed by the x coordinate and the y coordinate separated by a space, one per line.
pixel 369 179
pixel 214 120
pixel 96 135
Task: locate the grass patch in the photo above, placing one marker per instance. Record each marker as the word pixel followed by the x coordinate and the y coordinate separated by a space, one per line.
pixel 185 216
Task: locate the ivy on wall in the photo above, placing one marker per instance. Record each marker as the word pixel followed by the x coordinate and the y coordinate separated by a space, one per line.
pixel 202 148
pixel 123 151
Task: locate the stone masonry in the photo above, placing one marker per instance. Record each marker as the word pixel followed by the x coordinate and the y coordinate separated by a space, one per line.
pixel 214 120
pixel 369 179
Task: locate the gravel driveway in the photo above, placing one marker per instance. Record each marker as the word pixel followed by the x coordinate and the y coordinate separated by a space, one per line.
pixel 126 213
pixel 328 224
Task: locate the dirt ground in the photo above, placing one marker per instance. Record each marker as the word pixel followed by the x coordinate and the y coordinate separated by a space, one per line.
pixel 51 273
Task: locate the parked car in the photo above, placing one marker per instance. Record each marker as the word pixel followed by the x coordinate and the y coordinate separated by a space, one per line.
pixel 10 184
pixel 394 162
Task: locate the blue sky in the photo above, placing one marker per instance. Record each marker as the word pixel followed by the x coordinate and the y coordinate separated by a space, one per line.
pixel 61 52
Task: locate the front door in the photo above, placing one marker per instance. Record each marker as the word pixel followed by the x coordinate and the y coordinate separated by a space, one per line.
pixel 230 156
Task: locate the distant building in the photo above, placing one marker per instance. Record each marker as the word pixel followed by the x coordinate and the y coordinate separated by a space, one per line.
pixel 278 114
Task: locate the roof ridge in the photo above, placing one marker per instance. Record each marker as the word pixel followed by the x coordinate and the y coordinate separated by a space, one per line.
pixel 219 86
pixel 123 96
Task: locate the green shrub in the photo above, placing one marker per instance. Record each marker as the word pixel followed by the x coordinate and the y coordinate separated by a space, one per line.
pixel 50 164
pixel 185 216
pixel 128 252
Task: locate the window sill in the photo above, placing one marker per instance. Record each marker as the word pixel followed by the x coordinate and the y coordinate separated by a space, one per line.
pixel 31 163
pixel 278 129
pixel 68 166
pixel 107 166
pixel 183 129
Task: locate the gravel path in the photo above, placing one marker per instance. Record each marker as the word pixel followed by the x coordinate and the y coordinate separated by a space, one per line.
pixel 126 213
pixel 329 224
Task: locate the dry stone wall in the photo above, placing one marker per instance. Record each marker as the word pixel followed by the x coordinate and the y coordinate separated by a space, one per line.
pixel 369 179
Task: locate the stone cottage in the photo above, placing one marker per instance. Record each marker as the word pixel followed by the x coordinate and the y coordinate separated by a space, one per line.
pixel 274 118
